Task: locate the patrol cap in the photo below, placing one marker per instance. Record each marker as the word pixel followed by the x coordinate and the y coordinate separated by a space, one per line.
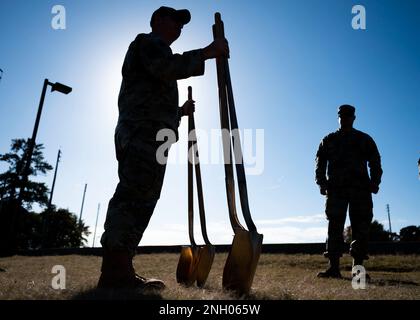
pixel 182 15
pixel 346 110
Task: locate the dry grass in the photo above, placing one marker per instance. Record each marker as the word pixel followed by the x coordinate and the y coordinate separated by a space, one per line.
pixel 278 277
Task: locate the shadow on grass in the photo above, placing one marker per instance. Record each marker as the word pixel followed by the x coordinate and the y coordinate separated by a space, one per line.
pixel 391 282
pixel 401 269
pixel 259 296
pixel 124 294
pixel 387 282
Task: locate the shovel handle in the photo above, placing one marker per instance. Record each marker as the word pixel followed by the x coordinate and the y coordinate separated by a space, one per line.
pixel 196 158
pixel 236 143
pixel 190 181
pixel 224 120
pixel 189 93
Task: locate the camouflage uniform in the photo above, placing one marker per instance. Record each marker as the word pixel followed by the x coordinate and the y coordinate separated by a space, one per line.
pixel 344 156
pixel 148 102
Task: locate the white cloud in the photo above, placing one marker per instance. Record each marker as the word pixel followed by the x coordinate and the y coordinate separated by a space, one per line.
pixel 288 234
pixel 282 230
pixel 317 218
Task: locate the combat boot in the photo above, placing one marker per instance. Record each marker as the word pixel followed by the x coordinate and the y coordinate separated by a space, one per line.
pixel 118 273
pixel 333 271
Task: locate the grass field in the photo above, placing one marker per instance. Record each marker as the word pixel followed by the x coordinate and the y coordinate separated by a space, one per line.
pixel 278 277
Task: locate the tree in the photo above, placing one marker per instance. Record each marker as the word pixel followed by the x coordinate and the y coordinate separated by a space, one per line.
pixel 52 228
pixel 410 233
pixel 62 230
pixel 11 180
pixel 378 233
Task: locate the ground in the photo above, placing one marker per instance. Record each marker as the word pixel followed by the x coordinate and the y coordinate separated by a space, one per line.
pixel 278 277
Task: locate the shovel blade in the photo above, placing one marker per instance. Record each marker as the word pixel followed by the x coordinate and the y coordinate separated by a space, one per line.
pixel 206 257
pixel 186 271
pixel 242 261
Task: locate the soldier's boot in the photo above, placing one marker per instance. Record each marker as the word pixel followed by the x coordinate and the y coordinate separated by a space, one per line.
pixel 359 262
pixel 358 257
pixel 117 272
pixel 334 269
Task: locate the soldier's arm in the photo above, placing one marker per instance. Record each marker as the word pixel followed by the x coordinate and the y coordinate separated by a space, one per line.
pixel 374 161
pixel 161 65
pixel 321 167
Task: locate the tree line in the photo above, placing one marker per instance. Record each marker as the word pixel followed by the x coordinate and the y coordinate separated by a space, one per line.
pixel 378 233
pixel 20 227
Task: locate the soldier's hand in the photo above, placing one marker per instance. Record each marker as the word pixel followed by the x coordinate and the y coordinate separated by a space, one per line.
pixel 374 188
pixel 218 48
pixel 188 107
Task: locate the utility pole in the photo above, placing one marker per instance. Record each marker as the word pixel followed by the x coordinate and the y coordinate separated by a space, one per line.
pixel 418 166
pixel 55 176
pixel 389 221
pixel 32 144
pixel 44 220
pixel 83 202
pixel 96 224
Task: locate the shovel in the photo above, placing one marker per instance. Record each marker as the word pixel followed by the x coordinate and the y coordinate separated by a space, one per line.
pixel 206 252
pixel 186 272
pixel 195 262
pixel 241 264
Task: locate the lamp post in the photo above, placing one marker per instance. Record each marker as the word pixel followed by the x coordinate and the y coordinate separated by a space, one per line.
pixel 54 87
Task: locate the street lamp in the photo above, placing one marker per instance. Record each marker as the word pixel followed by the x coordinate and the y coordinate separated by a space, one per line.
pixel 60 88
pixel 54 87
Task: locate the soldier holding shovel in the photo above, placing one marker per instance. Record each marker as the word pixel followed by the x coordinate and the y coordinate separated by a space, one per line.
pixel 148 102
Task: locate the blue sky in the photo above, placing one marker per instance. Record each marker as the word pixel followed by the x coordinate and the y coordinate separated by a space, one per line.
pixel 292 64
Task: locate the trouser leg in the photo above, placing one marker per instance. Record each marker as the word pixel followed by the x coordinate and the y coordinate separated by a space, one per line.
pixel 335 209
pixel 125 224
pixel 129 212
pixel 135 198
pixel 361 214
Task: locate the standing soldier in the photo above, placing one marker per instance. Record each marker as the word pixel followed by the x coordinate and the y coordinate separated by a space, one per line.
pixel 342 176
pixel 148 103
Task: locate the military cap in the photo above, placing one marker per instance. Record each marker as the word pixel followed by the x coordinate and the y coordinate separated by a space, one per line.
pixel 182 15
pixel 346 110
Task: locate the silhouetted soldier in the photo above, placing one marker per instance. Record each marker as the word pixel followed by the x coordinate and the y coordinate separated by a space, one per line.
pixel 148 102
pixel 342 176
